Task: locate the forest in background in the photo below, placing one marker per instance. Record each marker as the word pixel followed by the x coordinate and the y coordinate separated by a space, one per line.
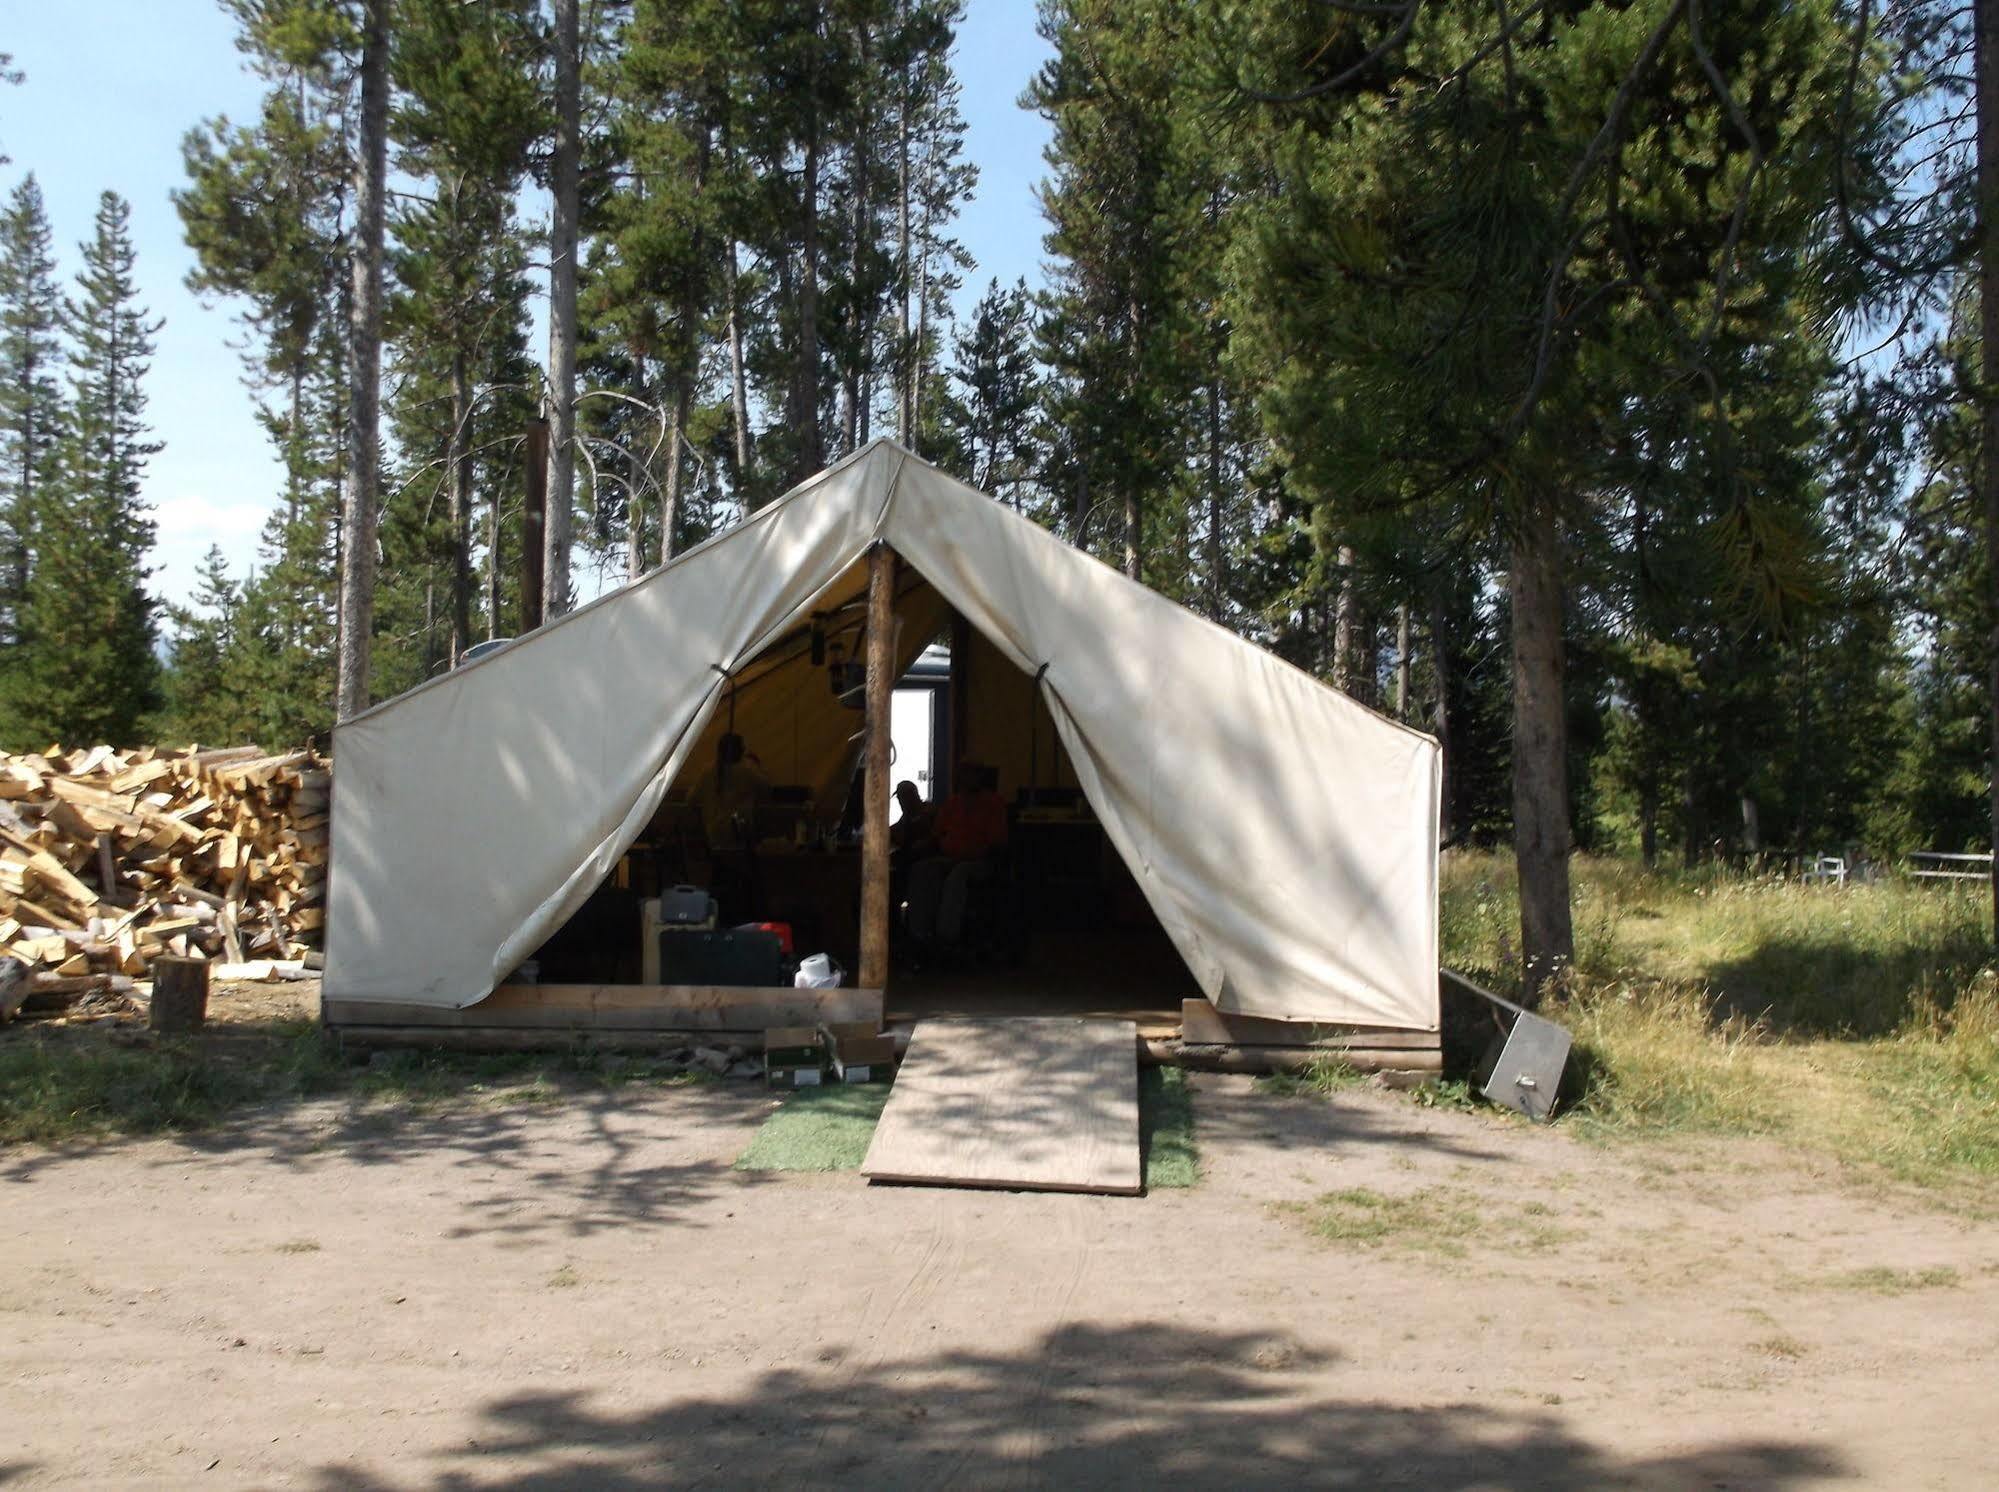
pixel 1591 383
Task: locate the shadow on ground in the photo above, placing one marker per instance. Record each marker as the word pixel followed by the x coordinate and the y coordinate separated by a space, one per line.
pixel 1826 987
pixel 1085 1406
pixel 578 1160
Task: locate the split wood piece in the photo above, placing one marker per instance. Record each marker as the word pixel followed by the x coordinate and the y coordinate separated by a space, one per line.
pixel 56 876
pixel 1036 1103
pixel 180 995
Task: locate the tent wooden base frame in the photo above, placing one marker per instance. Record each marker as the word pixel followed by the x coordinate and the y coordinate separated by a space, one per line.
pixel 555 1017
pixel 570 1008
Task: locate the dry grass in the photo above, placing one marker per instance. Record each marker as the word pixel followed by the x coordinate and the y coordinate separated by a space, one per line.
pixel 1859 1021
pixel 1435 1219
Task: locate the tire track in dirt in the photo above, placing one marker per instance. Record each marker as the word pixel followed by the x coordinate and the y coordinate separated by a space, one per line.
pixel 1044 1309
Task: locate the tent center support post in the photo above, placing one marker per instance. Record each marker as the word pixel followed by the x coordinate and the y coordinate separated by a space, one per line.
pixel 874 821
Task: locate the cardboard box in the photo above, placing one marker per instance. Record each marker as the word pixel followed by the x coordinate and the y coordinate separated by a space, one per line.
pixel 794 1056
pixel 858 1052
pixel 794 1046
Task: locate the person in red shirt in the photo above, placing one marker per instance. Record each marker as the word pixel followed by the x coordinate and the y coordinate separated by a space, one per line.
pixel 970 825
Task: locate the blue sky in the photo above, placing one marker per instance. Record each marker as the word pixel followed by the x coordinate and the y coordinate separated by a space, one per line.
pixel 113 85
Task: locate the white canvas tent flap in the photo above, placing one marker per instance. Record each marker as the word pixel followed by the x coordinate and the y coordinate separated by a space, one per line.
pixel 1285 836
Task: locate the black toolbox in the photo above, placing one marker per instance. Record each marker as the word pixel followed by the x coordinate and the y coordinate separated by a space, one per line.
pixel 731 956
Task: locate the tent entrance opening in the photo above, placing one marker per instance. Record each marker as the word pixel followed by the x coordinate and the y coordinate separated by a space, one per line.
pixel 1006 895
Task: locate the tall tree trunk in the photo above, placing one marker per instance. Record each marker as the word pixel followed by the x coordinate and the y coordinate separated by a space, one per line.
pixel 1540 751
pixel 1344 611
pixel 1402 661
pixel 1693 820
pixel 493 559
pixel 564 165
pixel 1218 565
pixel 670 499
pixel 1440 720
pixel 359 495
pixel 1134 538
pixel 805 376
pixel 1986 19
pixel 461 506
pixel 635 507
pixel 905 369
pixel 919 347
pixel 1648 819
pixel 739 386
pixel 861 335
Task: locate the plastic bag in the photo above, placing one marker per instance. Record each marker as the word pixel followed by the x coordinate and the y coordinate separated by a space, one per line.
pixel 818 971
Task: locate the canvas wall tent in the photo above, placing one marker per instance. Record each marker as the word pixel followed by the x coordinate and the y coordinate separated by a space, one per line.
pixel 1285 836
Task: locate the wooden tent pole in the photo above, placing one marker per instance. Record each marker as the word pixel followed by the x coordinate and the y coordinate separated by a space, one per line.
pixel 874 822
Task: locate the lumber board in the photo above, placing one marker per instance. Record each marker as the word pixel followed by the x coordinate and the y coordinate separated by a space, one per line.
pixel 510 1039
pixel 620 1007
pixel 1030 1103
pixel 1203 1025
pixel 1229 1058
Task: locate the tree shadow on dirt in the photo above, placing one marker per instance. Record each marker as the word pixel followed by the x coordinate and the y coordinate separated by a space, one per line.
pixel 1331 1125
pixel 574 1161
pixel 1085 1406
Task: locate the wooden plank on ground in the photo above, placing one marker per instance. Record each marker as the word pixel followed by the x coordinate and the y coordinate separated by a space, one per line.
pixel 1203 1025
pixel 1031 1103
pixel 621 1007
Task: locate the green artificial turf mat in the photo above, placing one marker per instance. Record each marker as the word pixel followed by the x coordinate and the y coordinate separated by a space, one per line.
pixel 828 1129
pixel 1166 1128
pixel 818 1129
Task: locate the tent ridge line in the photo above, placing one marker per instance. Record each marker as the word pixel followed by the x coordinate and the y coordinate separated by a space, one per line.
pixel 902 455
pixel 742 524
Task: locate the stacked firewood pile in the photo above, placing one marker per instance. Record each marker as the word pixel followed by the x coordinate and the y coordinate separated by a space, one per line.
pixel 110 859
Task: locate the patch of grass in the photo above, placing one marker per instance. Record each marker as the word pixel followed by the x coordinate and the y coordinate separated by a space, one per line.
pixel 818 1129
pixel 52 1091
pixel 300 1246
pixel 1787 1347
pixel 1880 1279
pixel 565 1278
pixel 1166 1128
pixel 59 1085
pixel 1327 1073
pixel 1862 1022
pixel 1435 1218
pixel 1454 1094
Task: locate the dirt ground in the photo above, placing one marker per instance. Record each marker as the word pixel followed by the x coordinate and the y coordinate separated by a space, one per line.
pixel 583 1293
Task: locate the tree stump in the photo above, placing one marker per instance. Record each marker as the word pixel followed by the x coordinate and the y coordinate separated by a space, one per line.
pixel 180 995
pixel 16 983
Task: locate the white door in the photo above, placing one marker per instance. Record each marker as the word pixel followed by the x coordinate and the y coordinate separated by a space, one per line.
pixel 912 745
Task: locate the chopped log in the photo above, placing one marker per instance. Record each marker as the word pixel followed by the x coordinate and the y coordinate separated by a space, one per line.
pixel 180 995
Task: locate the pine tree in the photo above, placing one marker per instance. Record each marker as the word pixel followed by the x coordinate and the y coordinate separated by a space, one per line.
pixel 31 402
pixel 1468 289
pixel 266 212
pixel 88 670
pixel 995 394
pixel 1117 205
pixel 467 115
pixel 202 700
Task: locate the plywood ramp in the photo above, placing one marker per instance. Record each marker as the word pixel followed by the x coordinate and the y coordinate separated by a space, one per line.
pixel 1030 1103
